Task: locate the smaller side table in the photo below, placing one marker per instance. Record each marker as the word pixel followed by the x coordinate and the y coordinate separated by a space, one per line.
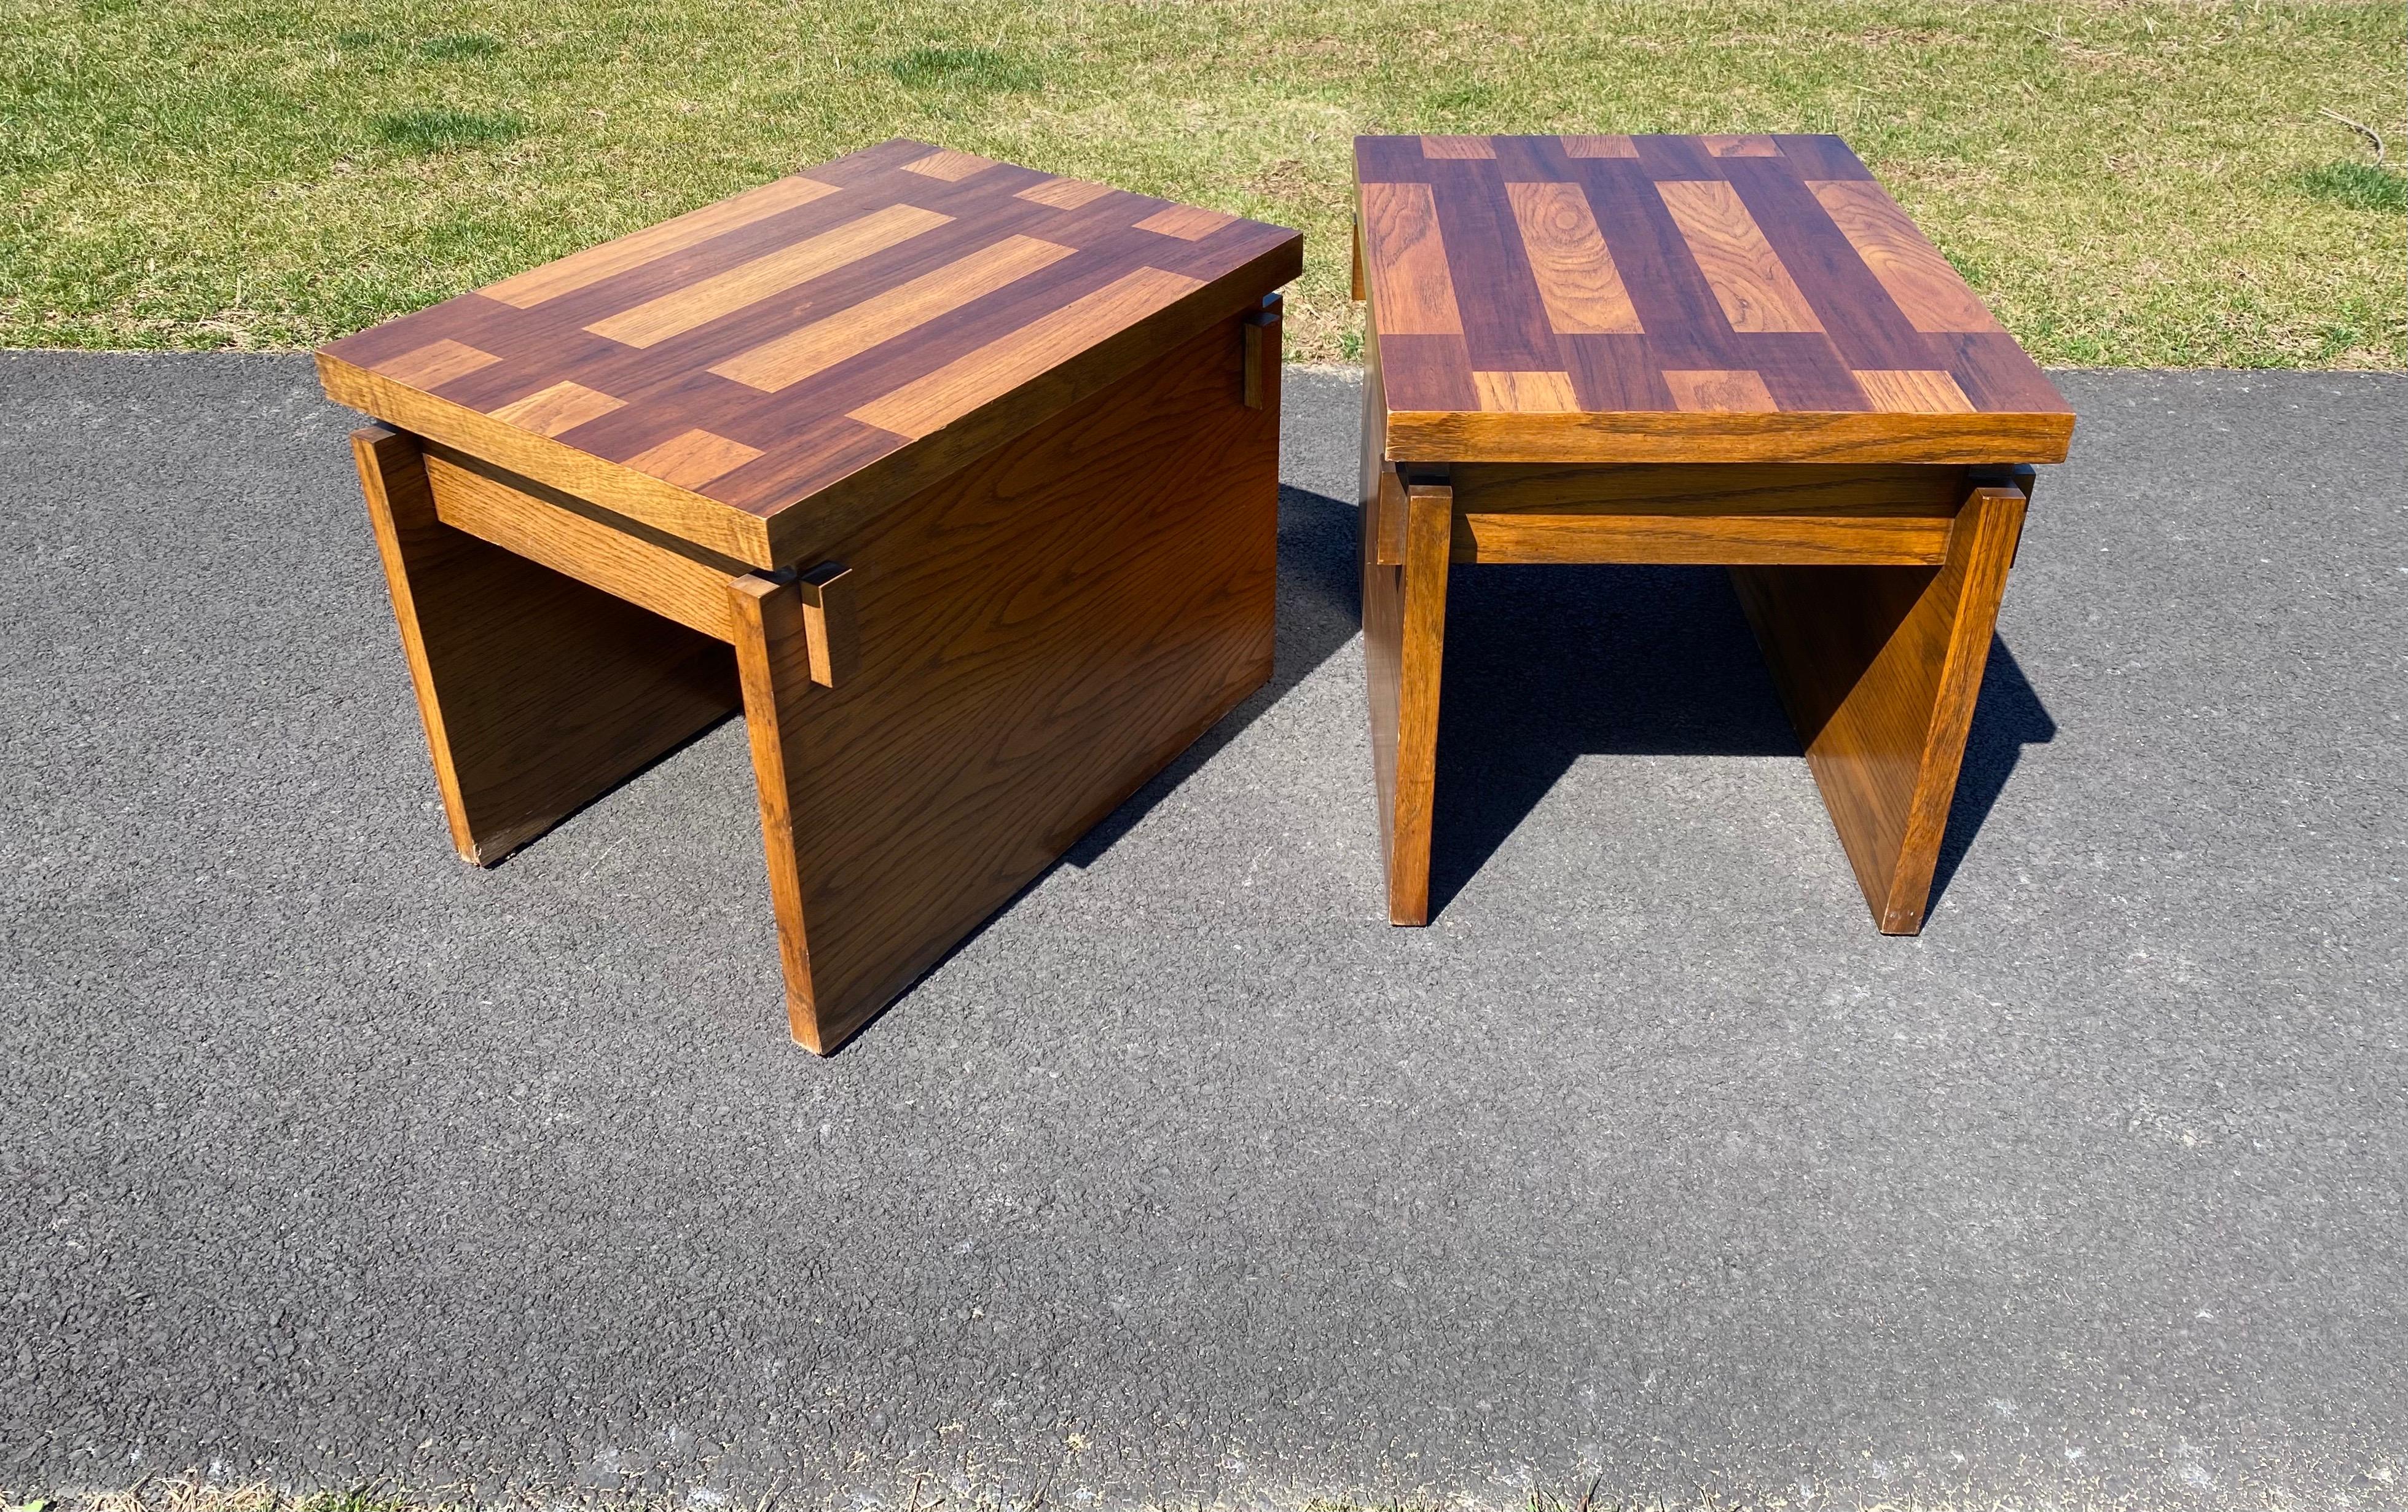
pixel 1722 349
pixel 958 478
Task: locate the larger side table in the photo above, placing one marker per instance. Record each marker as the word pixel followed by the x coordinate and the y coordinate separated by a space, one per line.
pixel 1724 349
pixel 958 478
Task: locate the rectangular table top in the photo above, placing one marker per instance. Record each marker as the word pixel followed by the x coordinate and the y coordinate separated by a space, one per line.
pixel 823 343
pixel 1676 299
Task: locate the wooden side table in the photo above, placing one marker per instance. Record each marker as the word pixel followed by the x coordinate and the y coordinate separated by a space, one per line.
pixel 958 478
pixel 1726 349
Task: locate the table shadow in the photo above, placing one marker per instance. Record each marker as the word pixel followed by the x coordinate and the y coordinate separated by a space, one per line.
pixel 1545 664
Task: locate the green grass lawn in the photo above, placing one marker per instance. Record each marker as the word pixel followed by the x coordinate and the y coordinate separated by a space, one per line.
pixel 2128 182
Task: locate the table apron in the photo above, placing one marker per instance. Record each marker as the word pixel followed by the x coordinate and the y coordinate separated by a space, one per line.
pixel 1700 514
pixel 580 540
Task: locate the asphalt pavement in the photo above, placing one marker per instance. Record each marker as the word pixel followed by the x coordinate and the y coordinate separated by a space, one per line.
pixel 1188 1180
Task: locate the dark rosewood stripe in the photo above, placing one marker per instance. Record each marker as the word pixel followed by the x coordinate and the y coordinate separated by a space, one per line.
pixel 1676 157
pixel 1504 322
pixel 1391 160
pixel 1615 373
pixel 1821 157
pixel 1801 370
pixel 1428 373
pixel 1995 373
pixel 814 455
pixel 1677 309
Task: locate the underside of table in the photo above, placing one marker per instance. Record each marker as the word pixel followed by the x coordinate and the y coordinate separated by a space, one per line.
pixel 1872 590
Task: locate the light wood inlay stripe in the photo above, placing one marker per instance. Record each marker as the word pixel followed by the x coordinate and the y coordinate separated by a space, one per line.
pixel 1914 392
pixel 949 165
pixel 1549 394
pixel 820 345
pixel 1710 391
pixel 1065 193
pixel 1910 267
pixel 1577 279
pixel 1743 147
pixel 595 263
pixel 1412 293
pixel 436 364
pixel 564 406
pixel 1598 146
pixel 672 314
pixel 1188 223
pixel 961 385
pixel 1457 147
pixel 1755 291
pixel 692 458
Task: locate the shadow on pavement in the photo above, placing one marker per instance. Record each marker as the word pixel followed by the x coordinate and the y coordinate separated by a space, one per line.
pixel 1545 664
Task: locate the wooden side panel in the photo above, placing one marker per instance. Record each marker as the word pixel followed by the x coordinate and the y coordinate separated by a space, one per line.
pixel 539 692
pixel 1033 638
pixel 1879 667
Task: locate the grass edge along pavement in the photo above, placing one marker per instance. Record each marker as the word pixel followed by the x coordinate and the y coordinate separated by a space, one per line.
pixel 2169 183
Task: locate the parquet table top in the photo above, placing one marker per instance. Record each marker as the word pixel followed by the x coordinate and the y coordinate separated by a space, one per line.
pixel 823 343
pixel 1675 299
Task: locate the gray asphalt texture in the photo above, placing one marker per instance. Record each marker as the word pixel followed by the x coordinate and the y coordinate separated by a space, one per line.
pixel 1188 1180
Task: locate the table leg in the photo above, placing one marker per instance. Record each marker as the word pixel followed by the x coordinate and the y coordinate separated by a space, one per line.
pixel 538 694
pixel 1879 667
pixel 1404 642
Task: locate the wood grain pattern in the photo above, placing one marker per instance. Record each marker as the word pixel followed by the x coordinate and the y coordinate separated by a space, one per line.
pixel 847 334
pixel 1928 392
pixel 595 263
pixel 1921 280
pixel 660 321
pixel 949 166
pixel 438 363
pixel 1879 667
pixel 692 458
pixel 1570 262
pixel 996 370
pixel 681 310
pixel 1065 193
pixel 1526 392
pixel 538 693
pixel 1719 392
pixel 1188 223
pixel 1633 265
pixel 1037 635
pixel 564 406
pixel 1747 277
pixel 1411 290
